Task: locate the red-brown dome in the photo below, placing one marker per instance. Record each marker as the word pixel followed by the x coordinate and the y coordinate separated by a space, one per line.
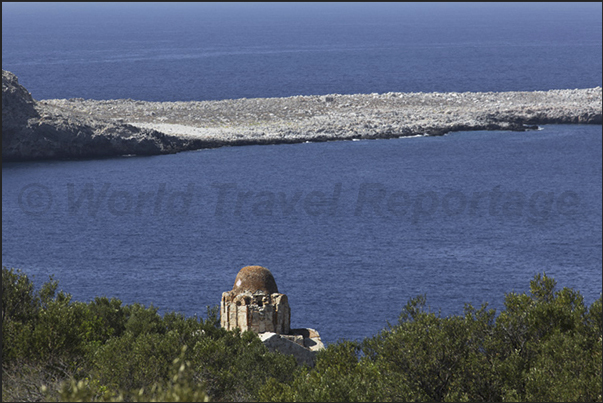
pixel 255 278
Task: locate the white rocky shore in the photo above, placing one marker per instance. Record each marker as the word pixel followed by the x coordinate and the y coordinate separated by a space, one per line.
pixel 179 126
pixel 340 117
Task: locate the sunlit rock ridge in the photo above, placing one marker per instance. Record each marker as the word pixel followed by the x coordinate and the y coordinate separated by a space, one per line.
pixel 79 128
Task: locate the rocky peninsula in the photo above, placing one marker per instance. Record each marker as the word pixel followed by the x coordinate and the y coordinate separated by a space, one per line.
pixel 80 128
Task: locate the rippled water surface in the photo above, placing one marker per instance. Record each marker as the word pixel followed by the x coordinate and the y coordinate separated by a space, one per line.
pixel 351 230
pixel 202 51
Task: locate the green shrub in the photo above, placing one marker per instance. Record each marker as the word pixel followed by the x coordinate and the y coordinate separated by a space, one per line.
pixel 21 306
pixel 177 387
pixel 235 365
pixel 544 345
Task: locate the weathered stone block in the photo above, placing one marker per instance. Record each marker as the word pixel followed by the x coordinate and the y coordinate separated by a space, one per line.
pixel 282 344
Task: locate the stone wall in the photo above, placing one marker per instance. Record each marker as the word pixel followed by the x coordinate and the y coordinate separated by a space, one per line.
pixel 259 312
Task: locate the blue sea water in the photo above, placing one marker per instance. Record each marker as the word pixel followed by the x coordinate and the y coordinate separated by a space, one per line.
pixel 351 230
pixel 182 52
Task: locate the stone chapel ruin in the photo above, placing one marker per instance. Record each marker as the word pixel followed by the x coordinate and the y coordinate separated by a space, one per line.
pixel 255 304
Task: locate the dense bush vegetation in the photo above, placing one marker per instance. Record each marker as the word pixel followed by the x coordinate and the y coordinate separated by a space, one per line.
pixel 544 346
pixel 105 350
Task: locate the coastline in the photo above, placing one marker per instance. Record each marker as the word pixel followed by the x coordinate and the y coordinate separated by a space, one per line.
pixel 80 129
pixel 343 117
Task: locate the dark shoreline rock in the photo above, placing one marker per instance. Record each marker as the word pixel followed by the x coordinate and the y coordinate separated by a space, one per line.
pixel 79 128
pixel 32 132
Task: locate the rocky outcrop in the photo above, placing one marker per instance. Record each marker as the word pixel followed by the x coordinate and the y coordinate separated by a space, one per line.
pixel 345 117
pixel 17 108
pixel 32 131
pixel 78 128
pixel 303 344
